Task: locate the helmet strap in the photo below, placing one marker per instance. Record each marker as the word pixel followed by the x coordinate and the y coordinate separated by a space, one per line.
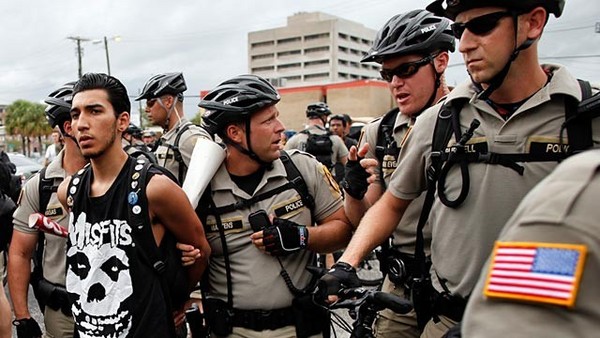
pixel 248 152
pixel 498 79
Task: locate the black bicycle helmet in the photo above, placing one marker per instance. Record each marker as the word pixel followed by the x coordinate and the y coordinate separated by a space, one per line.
pixel 163 84
pixel 415 32
pixel 318 109
pixel 454 7
pixel 59 106
pixel 134 131
pixel 235 100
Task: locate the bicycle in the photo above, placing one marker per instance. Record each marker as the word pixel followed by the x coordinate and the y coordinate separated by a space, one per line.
pixel 363 305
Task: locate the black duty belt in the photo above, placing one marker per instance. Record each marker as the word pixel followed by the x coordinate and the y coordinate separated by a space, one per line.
pixel 259 320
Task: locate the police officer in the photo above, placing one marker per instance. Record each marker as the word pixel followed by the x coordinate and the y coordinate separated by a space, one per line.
pixel 412 49
pixel 330 152
pixel 257 279
pixel 558 237
pixel 57 313
pixel 520 106
pixel 164 105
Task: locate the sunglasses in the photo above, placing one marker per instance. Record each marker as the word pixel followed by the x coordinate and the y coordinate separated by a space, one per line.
pixel 150 103
pixel 480 25
pixel 405 70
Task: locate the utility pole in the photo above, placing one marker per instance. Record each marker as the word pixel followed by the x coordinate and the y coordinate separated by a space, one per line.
pixel 78 39
pixel 107 60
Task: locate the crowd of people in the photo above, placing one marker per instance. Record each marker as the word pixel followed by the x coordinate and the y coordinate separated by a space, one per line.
pixel 481 228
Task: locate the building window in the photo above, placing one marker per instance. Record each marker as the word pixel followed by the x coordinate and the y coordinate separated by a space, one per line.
pixel 342 62
pixel 343 75
pixel 289 66
pixel 366 42
pixel 354 39
pixel 263 69
pixel 343 36
pixel 263 44
pixel 343 49
pixel 316 36
pixel 316 50
pixel 293 78
pixel 263 56
pixel 316 76
pixel 316 63
pixel 288 40
pixel 289 52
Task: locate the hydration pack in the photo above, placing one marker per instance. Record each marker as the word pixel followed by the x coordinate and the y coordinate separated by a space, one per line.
pixel 321 147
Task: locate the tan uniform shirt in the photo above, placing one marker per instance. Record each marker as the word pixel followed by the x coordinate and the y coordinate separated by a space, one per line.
pixel 166 156
pixel 298 141
pixel 54 259
pixel 406 231
pixel 464 237
pixel 561 210
pixel 255 275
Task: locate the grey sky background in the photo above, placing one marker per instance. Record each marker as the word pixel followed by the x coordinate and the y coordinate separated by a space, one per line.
pixel 207 40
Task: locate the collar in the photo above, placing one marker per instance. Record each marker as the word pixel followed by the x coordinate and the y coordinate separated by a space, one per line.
pixel 222 181
pixel 55 168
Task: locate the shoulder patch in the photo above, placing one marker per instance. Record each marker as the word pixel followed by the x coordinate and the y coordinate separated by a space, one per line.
pixel 548 273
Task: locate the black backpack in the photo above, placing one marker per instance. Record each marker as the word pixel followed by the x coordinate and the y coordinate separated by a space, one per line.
pixel 320 146
pixel 386 144
pixel 140 151
pixel 176 153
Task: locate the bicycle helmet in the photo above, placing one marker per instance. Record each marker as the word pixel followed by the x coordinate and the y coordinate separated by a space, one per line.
pixel 415 32
pixel 235 100
pixel 59 106
pixel 134 131
pixel 163 84
pixel 454 7
pixel 318 109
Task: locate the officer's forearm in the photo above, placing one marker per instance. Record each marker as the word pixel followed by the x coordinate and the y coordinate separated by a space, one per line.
pixel 356 209
pixel 377 225
pixel 331 234
pixel 19 270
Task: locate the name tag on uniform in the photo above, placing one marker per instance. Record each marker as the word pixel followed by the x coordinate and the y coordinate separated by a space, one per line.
pixel 547 273
pixel 234 224
pixel 475 145
pixel 51 212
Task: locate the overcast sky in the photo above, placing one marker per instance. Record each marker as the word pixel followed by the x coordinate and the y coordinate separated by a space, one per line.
pixel 207 40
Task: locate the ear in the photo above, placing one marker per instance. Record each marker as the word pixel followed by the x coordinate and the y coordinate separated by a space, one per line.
pixel 235 133
pixel 441 62
pixel 123 121
pixel 535 22
pixel 67 127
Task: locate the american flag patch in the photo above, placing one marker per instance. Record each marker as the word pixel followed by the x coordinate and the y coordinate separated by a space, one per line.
pixel 536 272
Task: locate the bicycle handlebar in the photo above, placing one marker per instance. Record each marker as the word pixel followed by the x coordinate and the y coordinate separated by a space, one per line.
pixel 354 297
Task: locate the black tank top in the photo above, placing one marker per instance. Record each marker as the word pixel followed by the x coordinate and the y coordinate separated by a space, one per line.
pixel 114 292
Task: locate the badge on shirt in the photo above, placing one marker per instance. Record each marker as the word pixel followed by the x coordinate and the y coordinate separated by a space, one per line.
pixel 536 272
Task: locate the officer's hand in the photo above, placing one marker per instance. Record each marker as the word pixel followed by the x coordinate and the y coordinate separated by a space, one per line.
pixel 189 254
pixel 27 328
pixel 284 237
pixel 356 182
pixel 341 276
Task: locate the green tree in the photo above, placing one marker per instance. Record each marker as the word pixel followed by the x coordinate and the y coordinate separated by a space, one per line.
pixel 27 119
pixel 197 120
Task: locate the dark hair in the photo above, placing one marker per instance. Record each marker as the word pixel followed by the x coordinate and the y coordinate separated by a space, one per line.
pixel 117 93
pixel 340 118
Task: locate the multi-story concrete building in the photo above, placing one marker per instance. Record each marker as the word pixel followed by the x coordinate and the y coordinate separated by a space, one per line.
pixel 314 48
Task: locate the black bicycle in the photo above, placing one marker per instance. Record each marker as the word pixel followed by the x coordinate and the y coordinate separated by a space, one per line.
pixel 363 305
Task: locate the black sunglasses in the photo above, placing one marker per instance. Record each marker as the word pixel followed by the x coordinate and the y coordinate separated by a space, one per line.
pixel 480 25
pixel 405 70
pixel 151 102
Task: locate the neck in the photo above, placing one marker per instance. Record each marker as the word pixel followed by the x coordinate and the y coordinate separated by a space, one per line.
pixel 175 117
pixel 524 78
pixel 107 166
pixel 73 160
pixel 239 164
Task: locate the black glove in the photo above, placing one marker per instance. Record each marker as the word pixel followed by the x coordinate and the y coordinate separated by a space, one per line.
pixel 284 237
pixel 27 328
pixel 341 276
pixel 355 182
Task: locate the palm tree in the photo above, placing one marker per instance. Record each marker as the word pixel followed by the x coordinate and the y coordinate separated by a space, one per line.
pixel 26 119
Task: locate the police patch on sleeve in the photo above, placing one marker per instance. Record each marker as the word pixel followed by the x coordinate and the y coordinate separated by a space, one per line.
pixel 547 273
pixel 334 187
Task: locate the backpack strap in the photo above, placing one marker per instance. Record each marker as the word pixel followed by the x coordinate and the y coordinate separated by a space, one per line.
pixel 138 214
pixel 176 153
pixel 385 140
pixel 577 122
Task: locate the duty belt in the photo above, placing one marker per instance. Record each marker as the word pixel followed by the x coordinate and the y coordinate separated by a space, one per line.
pixel 259 320
pixel 449 305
